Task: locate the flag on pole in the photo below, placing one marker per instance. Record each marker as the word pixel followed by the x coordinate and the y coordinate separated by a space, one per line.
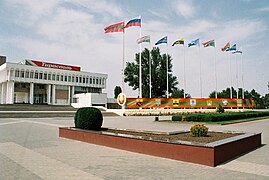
pixel 209 43
pixel 194 43
pixel 134 22
pixel 233 48
pixel 143 39
pixel 226 47
pixel 239 52
pixel 180 41
pixel 163 40
pixel 118 27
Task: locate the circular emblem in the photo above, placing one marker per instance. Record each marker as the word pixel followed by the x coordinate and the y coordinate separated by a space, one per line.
pixel 121 99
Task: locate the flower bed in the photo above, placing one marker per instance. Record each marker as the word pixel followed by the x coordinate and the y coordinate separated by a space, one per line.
pixel 206 153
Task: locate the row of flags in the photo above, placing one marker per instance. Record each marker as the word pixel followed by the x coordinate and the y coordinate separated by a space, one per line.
pixel 195 42
pixel 120 27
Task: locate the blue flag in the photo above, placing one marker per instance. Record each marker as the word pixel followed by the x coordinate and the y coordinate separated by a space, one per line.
pixel 194 43
pixel 163 40
pixel 233 48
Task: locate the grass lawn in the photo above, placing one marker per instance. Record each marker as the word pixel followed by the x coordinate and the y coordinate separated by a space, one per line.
pixel 220 122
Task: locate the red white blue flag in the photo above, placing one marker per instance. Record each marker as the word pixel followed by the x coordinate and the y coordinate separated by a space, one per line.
pixel 134 22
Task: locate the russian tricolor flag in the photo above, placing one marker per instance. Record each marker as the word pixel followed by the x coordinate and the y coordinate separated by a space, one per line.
pixel 134 22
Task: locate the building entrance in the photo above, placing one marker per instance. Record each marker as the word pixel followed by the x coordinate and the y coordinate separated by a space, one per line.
pixel 40 94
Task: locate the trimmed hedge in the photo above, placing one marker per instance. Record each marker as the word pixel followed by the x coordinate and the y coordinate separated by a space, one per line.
pixel 216 117
pixel 89 118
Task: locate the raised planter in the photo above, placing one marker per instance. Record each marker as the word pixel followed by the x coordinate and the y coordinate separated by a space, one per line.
pixel 210 154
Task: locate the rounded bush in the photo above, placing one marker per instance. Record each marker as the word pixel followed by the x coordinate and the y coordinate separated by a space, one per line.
pixel 199 130
pixel 89 118
pixel 220 109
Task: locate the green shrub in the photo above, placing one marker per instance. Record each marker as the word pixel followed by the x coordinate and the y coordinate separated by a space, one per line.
pixel 220 109
pixel 199 130
pixel 176 117
pixel 89 118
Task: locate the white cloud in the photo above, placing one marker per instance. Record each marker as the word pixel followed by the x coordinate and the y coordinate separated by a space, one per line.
pixel 263 9
pixel 184 8
pixel 101 6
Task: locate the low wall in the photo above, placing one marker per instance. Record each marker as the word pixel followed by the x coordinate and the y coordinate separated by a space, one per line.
pixel 210 154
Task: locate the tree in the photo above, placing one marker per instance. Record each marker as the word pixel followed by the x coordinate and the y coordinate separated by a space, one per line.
pixel 158 73
pixel 223 94
pixel 179 93
pixel 117 91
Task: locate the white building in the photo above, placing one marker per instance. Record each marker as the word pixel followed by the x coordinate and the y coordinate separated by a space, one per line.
pixel 37 82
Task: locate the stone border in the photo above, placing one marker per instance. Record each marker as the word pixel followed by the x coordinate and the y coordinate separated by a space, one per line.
pixel 210 154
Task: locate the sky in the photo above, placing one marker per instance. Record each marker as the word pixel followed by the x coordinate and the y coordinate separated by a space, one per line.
pixel 72 32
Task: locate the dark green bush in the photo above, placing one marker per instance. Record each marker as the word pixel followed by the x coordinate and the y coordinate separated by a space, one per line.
pixel 199 130
pixel 88 118
pixel 216 117
pixel 220 109
pixel 176 117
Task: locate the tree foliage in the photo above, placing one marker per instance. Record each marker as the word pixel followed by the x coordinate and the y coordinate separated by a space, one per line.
pixel 158 73
pixel 117 91
pixel 179 93
pixel 261 101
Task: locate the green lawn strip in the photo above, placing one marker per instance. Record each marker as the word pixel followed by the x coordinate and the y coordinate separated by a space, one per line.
pixel 220 122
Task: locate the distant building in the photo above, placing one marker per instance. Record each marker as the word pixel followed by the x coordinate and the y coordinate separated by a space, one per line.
pixel 36 82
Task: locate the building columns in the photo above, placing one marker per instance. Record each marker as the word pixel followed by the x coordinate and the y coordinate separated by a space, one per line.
pixel 69 94
pixel 53 94
pixel 31 93
pixel 72 93
pixel 3 93
pixel 48 94
pixel 10 92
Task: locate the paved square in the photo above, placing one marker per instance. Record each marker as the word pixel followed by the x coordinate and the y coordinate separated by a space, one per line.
pixel 31 149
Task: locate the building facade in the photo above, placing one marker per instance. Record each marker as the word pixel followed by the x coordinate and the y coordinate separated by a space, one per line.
pixel 37 82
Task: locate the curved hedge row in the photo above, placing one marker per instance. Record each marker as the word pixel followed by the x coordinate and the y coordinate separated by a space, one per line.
pixel 216 117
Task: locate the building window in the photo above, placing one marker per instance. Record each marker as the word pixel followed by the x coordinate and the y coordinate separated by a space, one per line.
pixel 87 80
pixel 57 77
pixel 69 78
pixel 45 76
pixel 96 81
pixel 93 81
pixel 83 79
pixel 62 77
pixel 90 80
pixel 36 75
pixel 80 79
pixel 73 79
pixel 53 77
pixel 49 76
pixel 17 73
pixel 40 75
pixel 27 74
pixel 77 79
pixel 22 74
pixel 32 75
pixel 65 78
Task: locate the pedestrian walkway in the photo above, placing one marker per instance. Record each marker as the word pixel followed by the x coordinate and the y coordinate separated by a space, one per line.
pixel 31 149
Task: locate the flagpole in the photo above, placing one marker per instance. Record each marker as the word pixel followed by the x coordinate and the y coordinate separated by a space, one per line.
pixel 149 71
pixel 140 69
pixel 231 93
pixel 167 70
pixel 200 73
pixel 123 61
pixel 216 82
pixel 236 76
pixel 184 72
pixel 242 71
